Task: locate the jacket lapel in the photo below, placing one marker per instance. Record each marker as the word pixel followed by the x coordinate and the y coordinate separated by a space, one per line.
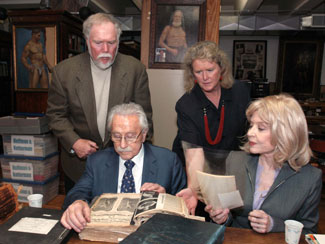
pixel 150 167
pixel 111 172
pixel 85 92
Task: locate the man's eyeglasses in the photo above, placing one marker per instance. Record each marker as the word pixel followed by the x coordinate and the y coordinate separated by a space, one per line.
pixel 129 138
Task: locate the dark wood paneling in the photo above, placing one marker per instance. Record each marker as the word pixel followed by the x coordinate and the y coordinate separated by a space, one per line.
pixel 31 102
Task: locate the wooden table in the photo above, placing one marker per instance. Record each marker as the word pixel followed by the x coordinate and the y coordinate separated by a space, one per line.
pixel 232 235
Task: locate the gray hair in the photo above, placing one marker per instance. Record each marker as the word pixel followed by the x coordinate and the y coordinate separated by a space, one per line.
pixel 100 18
pixel 129 109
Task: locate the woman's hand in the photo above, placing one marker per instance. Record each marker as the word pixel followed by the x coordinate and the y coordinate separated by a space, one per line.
pixel 219 216
pixel 260 221
pixel 189 198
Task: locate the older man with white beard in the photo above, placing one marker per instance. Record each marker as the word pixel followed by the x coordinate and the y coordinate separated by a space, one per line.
pixel 85 87
pixel 173 38
pixel 131 166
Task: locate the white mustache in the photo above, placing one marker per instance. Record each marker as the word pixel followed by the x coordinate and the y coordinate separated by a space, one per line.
pixel 127 149
pixel 104 55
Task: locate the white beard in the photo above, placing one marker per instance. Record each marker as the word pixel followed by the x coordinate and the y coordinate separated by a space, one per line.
pixel 103 55
pixel 177 23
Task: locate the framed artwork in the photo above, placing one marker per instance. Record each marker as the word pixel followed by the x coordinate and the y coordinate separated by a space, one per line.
pixel 299 67
pixel 35 54
pixel 249 60
pixel 175 25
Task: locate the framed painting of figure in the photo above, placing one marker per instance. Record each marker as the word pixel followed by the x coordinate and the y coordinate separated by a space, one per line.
pixel 299 67
pixel 175 25
pixel 35 54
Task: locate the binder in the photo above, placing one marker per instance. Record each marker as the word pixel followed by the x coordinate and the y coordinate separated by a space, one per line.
pixel 58 234
pixel 171 229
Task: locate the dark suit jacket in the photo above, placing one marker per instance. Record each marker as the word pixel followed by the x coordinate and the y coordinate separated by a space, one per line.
pixel 72 107
pixel 160 166
pixel 293 195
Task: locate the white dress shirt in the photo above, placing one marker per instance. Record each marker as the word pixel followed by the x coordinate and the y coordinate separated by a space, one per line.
pixel 136 170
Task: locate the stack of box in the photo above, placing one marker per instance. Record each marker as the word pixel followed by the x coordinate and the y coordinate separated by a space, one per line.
pixel 30 157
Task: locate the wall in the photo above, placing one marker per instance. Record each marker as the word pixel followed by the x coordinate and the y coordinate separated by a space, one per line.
pixel 166 87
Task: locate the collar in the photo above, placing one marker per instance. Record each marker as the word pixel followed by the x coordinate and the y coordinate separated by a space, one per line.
pixel 204 102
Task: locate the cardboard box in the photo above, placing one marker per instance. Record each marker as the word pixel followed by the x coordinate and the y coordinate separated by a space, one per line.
pixel 49 188
pixel 30 145
pixel 29 168
pixel 23 125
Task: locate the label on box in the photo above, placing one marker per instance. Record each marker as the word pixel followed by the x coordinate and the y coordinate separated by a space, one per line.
pixel 24 193
pixel 21 171
pixel 22 145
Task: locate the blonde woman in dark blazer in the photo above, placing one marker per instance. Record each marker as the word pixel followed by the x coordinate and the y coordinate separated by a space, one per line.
pixel 273 173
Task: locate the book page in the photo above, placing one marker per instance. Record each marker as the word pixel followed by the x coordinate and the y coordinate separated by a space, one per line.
pixel 114 209
pixel 219 190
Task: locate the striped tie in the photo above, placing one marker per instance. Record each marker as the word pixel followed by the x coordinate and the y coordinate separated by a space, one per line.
pixel 128 185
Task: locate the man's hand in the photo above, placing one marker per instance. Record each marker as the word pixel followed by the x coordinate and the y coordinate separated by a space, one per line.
pixel 84 148
pixel 76 216
pixel 219 216
pixel 260 221
pixel 190 199
pixel 152 187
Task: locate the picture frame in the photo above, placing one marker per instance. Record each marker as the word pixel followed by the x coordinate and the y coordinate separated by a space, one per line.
pixel 249 60
pixel 35 54
pixel 175 25
pixel 299 67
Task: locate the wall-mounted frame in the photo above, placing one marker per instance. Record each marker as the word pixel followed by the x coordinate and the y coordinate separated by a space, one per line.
pixel 299 67
pixel 249 59
pixel 35 53
pixel 175 25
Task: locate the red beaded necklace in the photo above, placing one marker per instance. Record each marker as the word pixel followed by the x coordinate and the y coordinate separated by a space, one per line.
pixel 220 129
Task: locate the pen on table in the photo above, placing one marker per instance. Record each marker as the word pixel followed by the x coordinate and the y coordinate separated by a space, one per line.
pixel 312 237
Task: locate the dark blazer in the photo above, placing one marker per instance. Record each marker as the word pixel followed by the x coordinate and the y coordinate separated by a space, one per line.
pixel 293 195
pixel 72 107
pixel 160 166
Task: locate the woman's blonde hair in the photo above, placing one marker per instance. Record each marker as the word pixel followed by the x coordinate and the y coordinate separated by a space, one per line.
pixel 209 51
pixel 289 131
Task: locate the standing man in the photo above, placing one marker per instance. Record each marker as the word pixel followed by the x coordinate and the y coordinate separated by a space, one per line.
pixel 86 87
pixel 153 168
pixel 173 38
pixel 33 51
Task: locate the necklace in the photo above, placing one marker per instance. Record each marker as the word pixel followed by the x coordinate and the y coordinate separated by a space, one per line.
pixel 220 129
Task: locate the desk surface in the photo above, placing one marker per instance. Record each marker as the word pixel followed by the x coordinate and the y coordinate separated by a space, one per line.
pixel 232 235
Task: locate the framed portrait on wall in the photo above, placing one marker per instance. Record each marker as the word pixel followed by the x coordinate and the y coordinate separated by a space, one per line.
pixel 249 60
pixel 299 67
pixel 35 54
pixel 175 25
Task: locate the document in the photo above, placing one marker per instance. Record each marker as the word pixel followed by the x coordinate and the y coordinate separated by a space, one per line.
pixel 219 190
pixel 34 225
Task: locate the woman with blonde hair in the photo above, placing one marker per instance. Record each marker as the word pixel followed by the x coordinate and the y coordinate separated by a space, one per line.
pixel 273 173
pixel 211 114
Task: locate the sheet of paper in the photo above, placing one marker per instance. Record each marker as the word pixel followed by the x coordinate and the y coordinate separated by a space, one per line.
pixel 230 199
pixel 212 187
pixel 34 225
pixel 320 238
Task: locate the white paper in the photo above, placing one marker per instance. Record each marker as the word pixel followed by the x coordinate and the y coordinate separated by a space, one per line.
pixel 34 225
pixel 230 199
pixel 320 238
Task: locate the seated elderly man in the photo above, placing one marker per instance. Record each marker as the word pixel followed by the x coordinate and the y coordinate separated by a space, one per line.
pixel 131 166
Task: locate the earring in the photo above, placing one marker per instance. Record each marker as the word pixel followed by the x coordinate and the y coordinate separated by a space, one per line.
pixel 195 81
pixel 220 77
